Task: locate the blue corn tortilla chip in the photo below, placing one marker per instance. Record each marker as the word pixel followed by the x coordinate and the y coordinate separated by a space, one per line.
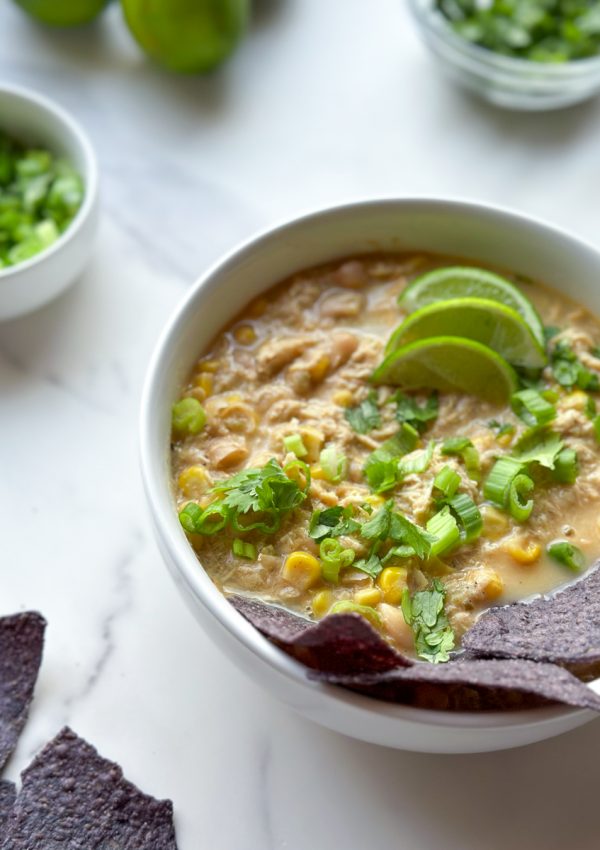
pixel 342 643
pixel 73 799
pixel 472 685
pixel 8 792
pixel 563 628
pixel 21 646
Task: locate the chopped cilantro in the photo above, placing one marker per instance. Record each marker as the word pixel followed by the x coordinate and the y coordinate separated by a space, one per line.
pixel 410 411
pixel 365 416
pixel 381 467
pixel 424 613
pixel 569 372
pixel 501 428
pixel 263 495
pixel 550 331
pixel 387 523
pixel 332 522
pixel 538 446
pixel 371 565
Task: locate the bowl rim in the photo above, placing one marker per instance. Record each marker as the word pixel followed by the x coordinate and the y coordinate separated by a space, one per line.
pixel 435 23
pixel 180 556
pixel 71 126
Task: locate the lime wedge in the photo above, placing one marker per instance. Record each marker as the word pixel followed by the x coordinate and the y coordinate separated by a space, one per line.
pixel 449 364
pixel 489 322
pixel 469 282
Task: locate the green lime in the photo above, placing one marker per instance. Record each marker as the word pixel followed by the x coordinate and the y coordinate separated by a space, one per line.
pixel 63 13
pixel 188 36
pixel 469 282
pixel 489 322
pixel 449 364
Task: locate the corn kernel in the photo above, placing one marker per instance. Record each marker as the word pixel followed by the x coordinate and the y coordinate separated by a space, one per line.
pixel 576 400
pixel 522 554
pixel 319 369
pixel 374 500
pixel 317 472
pixel 258 307
pixel 321 603
pixel 313 441
pixel 495 523
pixel 209 366
pixel 392 581
pixel 204 382
pixel 302 570
pixel 245 335
pixel 370 596
pixel 505 439
pixel 494 586
pixel 343 398
pixel 194 481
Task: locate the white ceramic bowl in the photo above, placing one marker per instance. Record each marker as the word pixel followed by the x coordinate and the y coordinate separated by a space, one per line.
pixel 484 234
pixel 37 120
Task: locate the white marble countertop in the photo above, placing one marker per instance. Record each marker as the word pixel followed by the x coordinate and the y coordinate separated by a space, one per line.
pixel 324 102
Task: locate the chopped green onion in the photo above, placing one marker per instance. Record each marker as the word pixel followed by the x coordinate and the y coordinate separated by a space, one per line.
pixel 415 463
pixel 447 481
pixel 532 408
pixel 566 466
pixel 188 416
pixel 381 467
pixel 444 529
pixel 334 464
pixel 209 521
pixel 346 606
pixel 467 513
pixel 497 486
pixel 243 549
pixel 334 558
pixel 464 448
pixel 567 554
pixel 518 505
pixel 293 443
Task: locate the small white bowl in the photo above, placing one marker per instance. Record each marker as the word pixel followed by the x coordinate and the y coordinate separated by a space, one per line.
pixel 484 234
pixel 40 122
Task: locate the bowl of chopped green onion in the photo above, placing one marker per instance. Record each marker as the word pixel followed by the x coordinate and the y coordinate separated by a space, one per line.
pixel 519 54
pixel 48 200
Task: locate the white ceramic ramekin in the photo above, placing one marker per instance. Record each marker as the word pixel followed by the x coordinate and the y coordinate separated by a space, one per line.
pixel 481 233
pixel 39 121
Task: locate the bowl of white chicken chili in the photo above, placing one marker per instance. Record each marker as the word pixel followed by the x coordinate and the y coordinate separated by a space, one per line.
pixel 370 441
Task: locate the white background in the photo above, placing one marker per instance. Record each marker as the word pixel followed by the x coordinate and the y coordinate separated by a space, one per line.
pixel 326 101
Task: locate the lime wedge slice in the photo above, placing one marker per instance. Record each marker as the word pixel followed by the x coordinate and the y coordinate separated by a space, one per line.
pixel 489 322
pixel 449 364
pixel 469 282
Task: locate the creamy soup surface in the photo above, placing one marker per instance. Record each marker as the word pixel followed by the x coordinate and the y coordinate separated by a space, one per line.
pixel 293 363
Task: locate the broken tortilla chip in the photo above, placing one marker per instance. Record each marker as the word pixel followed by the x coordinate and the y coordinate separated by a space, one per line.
pixel 21 646
pixel 73 799
pixel 472 685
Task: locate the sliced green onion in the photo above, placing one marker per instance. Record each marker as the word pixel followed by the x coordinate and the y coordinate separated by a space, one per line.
pixel 346 606
pixel 334 558
pixel 532 408
pixel 464 448
pixel 518 505
pixel 444 529
pixel 209 521
pixel 334 464
pixel 566 467
pixel 467 513
pixel 415 463
pixel 447 481
pixel 243 549
pixel 381 468
pixel 188 416
pixel 497 485
pixel 567 554
pixel 293 443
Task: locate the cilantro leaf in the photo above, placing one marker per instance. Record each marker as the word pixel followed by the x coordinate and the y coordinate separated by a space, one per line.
pixel 365 416
pixel 408 410
pixel 424 612
pixel 388 523
pixel 371 565
pixel 332 522
pixel 538 445
pixel 381 467
pixel 377 527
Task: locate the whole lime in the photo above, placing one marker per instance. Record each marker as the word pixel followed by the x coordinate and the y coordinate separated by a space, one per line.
pixel 63 13
pixel 188 36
